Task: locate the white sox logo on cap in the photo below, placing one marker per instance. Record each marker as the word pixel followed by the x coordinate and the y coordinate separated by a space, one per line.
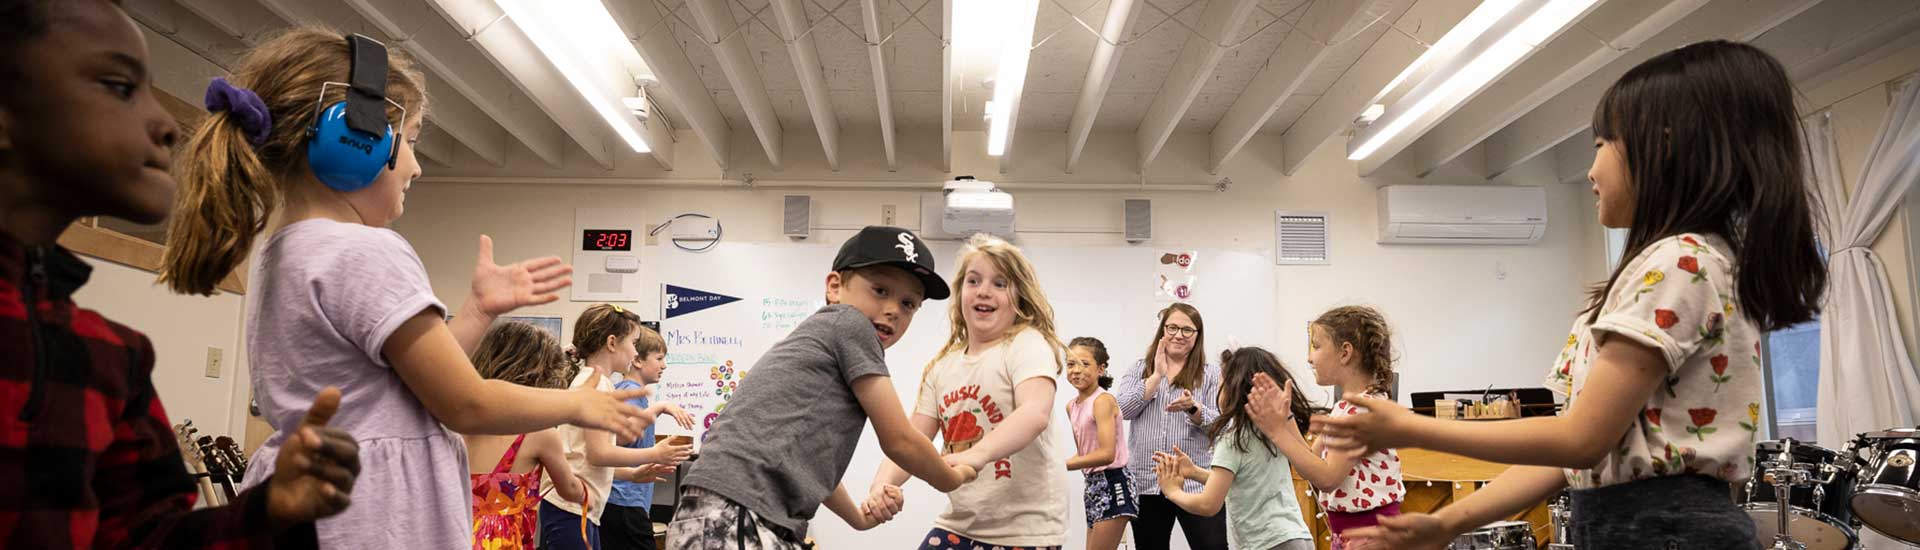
pixel 906 245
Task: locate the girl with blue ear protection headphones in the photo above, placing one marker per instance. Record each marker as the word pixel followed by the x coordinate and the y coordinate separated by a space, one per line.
pixel 350 140
pixel 311 144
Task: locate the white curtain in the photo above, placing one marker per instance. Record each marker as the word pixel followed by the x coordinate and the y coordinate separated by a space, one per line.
pixel 1867 381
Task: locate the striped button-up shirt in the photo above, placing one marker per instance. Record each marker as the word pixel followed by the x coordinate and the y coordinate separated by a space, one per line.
pixel 1152 428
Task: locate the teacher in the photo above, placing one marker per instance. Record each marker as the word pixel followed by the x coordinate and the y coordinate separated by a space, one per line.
pixel 1168 399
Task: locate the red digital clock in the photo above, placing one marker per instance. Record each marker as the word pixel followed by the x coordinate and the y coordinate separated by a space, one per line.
pixel 607 240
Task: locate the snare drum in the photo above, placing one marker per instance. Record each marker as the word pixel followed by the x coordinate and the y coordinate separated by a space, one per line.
pixel 1505 535
pixel 1888 497
pixel 1818 515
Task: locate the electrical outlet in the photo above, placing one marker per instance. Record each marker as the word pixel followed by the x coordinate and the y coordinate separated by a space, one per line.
pixel 886 214
pixel 213 362
pixel 652 240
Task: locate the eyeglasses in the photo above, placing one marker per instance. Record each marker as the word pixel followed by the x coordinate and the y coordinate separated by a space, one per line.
pixel 1178 331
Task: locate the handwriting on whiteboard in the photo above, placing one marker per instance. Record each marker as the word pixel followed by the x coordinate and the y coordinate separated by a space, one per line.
pixel 782 314
pixel 701 338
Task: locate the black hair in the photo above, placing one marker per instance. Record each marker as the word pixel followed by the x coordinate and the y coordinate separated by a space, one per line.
pixel 1100 357
pixel 1712 143
pixel 1237 368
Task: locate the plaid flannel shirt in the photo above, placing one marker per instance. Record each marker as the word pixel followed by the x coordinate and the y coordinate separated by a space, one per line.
pixel 92 458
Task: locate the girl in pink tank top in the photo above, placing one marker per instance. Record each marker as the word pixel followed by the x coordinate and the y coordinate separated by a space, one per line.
pixel 1102 445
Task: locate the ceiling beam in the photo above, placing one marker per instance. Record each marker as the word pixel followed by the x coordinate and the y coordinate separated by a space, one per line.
pixel 1219 24
pixel 876 28
pixel 1614 28
pixel 243 20
pixel 728 38
pixel 1100 69
pixel 1571 111
pixel 1333 112
pixel 647 28
pixel 1299 55
pixel 435 44
pixel 947 78
pixel 796 33
pixel 1889 36
pixel 254 21
pixel 188 30
pixel 216 46
pixel 1572 158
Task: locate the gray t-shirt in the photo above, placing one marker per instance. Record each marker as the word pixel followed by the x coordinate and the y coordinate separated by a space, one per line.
pixel 790 430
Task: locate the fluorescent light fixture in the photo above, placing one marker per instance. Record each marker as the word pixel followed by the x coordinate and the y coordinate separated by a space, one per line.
pixel 1013 26
pixel 581 40
pixel 1537 21
pixel 1475 24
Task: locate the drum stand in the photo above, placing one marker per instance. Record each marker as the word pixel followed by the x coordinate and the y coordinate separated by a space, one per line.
pixel 1561 515
pixel 1785 476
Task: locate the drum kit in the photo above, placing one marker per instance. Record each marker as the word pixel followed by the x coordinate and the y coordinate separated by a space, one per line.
pixel 1828 496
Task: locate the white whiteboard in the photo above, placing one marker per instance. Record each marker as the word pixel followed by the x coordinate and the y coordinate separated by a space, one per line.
pixel 1103 292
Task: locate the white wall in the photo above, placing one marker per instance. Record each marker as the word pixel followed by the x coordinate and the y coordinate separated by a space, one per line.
pixel 181 328
pixel 1460 325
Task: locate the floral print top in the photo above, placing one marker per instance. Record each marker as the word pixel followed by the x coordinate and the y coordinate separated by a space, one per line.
pixel 1677 297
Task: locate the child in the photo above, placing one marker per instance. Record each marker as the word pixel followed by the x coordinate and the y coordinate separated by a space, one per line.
pixel 1249 474
pixel 505 515
pixel 626 524
pixel 1103 447
pixel 91 453
pixel 790 430
pixel 990 391
pixel 1698 154
pixel 605 343
pixel 337 300
pixel 1349 347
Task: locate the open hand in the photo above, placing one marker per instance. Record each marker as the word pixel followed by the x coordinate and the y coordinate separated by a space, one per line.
pixel 499 289
pixel 1182 464
pixel 1181 404
pixel 1167 473
pixel 1383 425
pixel 610 411
pixel 1270 406
pixel 646 473
pixel 672 454
pixel 679 415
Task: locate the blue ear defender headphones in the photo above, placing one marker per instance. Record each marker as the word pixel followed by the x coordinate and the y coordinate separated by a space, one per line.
pixel 350 141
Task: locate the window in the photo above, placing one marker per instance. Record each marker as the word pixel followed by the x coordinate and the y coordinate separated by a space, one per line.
pixel 1793 365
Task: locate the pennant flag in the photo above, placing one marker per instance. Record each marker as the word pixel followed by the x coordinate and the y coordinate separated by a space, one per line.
pixel 678 301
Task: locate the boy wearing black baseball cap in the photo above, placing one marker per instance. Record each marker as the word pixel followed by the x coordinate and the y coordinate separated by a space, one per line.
pixel 790 430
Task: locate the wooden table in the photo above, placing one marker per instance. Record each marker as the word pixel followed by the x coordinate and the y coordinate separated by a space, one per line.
pixel 1433 480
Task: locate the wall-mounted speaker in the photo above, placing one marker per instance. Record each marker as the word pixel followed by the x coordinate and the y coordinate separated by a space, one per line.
pixel 796 219
pixel 1139 220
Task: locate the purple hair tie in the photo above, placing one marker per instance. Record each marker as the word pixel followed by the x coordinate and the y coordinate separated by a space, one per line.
pixel 244 106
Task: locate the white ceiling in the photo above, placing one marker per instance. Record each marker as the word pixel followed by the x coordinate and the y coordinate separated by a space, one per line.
pixel 480 112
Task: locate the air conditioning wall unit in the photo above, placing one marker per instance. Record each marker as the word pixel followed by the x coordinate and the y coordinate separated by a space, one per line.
pixel 974 206
pixel 1462 214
